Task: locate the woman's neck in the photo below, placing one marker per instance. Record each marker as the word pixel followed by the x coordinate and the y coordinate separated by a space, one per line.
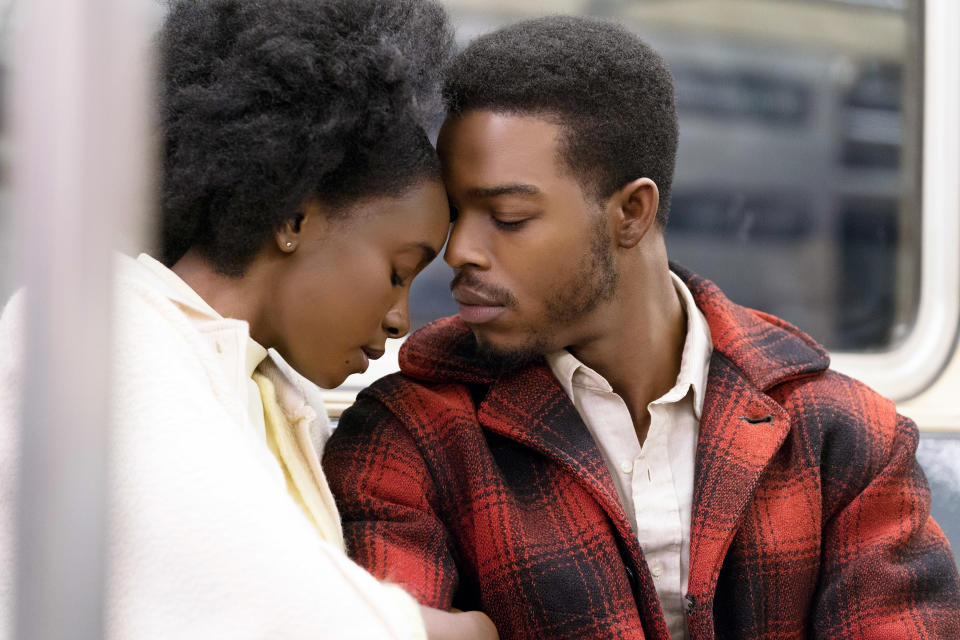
pixel 231 296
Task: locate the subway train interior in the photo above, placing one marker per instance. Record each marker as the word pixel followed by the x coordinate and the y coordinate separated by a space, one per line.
pixel 817 178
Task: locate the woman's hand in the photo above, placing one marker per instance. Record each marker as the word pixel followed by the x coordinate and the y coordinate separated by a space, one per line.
pixel 457 625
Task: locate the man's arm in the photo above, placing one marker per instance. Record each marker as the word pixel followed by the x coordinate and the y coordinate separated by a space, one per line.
pixel 389 504
pixel 887 571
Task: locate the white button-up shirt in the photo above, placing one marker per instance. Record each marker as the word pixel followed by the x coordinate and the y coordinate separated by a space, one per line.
pixel 655 481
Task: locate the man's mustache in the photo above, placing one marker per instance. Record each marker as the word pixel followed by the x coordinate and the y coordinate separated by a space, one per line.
pixel 466 279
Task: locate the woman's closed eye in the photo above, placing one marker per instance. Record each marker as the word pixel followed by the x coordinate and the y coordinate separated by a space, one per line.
pixel 402 275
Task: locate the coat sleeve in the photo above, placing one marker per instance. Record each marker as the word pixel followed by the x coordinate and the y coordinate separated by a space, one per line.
pixel 389 503
pixel 887 571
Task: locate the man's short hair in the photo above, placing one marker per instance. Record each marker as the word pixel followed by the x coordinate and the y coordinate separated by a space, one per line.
pixel 609 90
pixel 267 105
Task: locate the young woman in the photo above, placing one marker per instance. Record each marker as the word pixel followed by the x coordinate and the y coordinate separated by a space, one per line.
pixel 300 196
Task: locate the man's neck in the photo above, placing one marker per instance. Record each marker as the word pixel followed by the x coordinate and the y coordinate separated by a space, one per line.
pixel 639 351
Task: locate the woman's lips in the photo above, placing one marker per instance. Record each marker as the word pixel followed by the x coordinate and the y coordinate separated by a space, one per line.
pixel 371 353
pixel 367 354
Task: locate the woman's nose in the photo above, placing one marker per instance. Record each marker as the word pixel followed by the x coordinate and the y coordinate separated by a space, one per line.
pixel 397 321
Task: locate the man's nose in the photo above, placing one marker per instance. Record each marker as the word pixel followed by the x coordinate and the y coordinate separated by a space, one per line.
pixel 465 247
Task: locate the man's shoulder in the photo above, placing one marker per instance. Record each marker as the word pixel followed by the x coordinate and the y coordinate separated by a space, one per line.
pixel 416 398
pixel 766 349
pixel 833 398
pixel 444 351
pixel 787 364
pixel 440 381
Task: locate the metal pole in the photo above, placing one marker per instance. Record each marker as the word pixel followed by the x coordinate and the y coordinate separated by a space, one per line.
pixel 79 158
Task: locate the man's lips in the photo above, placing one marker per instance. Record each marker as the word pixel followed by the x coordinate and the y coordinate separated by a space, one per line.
pixel 472 297
pixel 477 307
pixel 474 314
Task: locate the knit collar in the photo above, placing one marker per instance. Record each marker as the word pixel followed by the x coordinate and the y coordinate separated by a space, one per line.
pixel 190 302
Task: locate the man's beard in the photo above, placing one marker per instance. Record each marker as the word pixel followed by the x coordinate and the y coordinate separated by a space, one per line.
pixel 501 361
pixel 594 282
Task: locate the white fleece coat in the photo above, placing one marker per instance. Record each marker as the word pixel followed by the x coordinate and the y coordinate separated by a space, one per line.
pixel 205 542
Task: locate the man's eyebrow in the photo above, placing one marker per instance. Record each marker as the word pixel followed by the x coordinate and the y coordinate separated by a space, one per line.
pixel 503 190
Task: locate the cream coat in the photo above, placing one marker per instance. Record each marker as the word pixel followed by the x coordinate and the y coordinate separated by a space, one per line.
pixel 205 541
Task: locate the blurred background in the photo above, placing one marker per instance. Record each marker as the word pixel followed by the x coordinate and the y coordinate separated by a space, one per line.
pixel 800 134
pixel 800 149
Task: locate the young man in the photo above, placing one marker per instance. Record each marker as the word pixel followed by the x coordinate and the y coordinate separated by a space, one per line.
pixel 602 445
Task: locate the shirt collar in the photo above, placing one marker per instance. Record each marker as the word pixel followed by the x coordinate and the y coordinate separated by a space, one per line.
pixel 697 347
pixel 694 361
pixel 181 294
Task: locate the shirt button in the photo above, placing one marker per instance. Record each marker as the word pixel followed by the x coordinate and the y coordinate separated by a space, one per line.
pixel 219 347
pixel 626 466
pixel 656 571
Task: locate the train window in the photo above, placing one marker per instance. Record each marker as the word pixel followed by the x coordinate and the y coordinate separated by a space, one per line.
pixel 799 151
pixel 798 179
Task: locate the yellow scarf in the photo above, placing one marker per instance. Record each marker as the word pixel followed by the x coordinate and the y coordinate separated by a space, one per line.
pixel 289 440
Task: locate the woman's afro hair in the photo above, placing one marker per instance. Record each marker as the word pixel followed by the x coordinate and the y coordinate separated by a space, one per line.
pixel 267 104
pixel 611 93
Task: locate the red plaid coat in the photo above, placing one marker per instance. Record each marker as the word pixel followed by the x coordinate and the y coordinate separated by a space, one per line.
pixel 810 515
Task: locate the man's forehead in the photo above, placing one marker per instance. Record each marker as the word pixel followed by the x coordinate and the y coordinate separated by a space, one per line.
pixel 510 131
pixel 505 148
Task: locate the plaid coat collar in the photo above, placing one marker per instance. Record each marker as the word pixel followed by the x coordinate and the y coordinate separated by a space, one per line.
pixel 741 426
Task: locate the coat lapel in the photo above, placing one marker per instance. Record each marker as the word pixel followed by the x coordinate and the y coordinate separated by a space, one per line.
pixel 530 407
pixel 741 429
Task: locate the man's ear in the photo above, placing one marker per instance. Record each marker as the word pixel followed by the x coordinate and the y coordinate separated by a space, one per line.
pixel 288 236
pixel 636 206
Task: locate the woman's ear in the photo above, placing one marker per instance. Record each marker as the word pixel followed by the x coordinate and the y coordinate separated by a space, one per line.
pixel 288 236
pixel 636 205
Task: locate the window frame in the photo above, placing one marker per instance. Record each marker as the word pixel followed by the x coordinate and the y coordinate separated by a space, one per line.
pixel 908 369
